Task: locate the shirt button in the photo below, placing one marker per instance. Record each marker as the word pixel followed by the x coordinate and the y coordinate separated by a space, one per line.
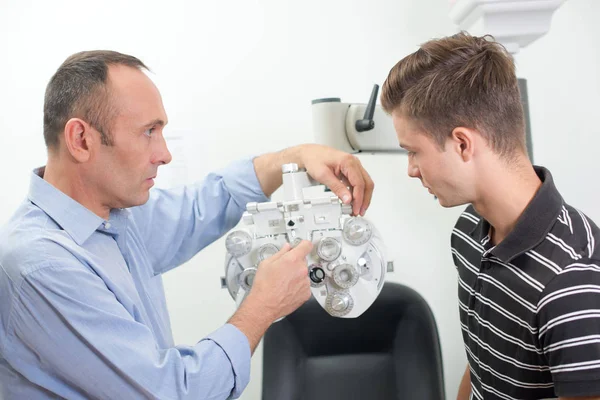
pixel 107 225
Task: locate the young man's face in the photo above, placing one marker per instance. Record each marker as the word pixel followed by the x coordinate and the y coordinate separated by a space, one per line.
pixel 442 172
pixel 124 172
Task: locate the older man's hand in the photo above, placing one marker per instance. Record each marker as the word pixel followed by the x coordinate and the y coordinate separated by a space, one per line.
pixel 339 171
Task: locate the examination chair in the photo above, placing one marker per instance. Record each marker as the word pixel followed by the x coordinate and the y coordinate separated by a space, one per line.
pixel 392 351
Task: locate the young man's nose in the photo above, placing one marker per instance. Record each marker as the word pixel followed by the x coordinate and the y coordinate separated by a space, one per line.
pixel 413 171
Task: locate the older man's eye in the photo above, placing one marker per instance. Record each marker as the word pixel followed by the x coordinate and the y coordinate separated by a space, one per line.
pixel 148 132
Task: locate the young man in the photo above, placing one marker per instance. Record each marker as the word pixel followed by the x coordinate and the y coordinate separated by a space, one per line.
pixel 82 307
pixel 528 263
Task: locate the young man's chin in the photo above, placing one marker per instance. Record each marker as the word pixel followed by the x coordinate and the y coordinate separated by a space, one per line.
pixel 448 203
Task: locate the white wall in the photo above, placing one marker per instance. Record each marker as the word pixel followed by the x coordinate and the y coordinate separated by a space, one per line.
pixel 237 78
pixel 563 74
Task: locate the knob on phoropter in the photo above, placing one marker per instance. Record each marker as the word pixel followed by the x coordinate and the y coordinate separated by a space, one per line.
pixel 316 274
pixel 329 249
pixel 246 278
pixel 346 209
pixel 266 250
pixel 339 304
pixel 357 231
pixel 345 276
pixel 238 243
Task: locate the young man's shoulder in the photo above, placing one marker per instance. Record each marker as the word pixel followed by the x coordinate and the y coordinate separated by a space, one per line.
pixel 468 219
pixel 566 255
pixel 574 226
pixel 572 229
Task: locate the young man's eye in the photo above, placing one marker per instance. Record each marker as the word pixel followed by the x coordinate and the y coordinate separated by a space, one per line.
pixel 411 153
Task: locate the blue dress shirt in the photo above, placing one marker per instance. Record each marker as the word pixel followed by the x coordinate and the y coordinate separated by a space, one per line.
pixel 83 313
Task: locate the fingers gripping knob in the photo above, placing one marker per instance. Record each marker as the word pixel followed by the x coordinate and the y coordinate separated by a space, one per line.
pixel 346 209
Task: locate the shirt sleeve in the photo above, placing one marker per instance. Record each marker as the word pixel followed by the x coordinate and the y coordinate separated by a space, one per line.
pixel 68 334
pixel 176 224
pixel 569 329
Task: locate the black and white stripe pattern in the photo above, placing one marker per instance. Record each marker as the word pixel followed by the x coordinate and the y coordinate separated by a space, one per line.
pixel 531 321
pixel 588 230
pixel 565 219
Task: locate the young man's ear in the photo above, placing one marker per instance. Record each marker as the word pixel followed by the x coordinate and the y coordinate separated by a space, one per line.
pixel 463 142
pixel 78 139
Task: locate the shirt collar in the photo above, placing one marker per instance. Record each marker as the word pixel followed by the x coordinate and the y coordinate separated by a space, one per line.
pixel 74 218
pixel 532 226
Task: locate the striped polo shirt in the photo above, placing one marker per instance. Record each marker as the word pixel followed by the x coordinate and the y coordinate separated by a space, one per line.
pixel 530 306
